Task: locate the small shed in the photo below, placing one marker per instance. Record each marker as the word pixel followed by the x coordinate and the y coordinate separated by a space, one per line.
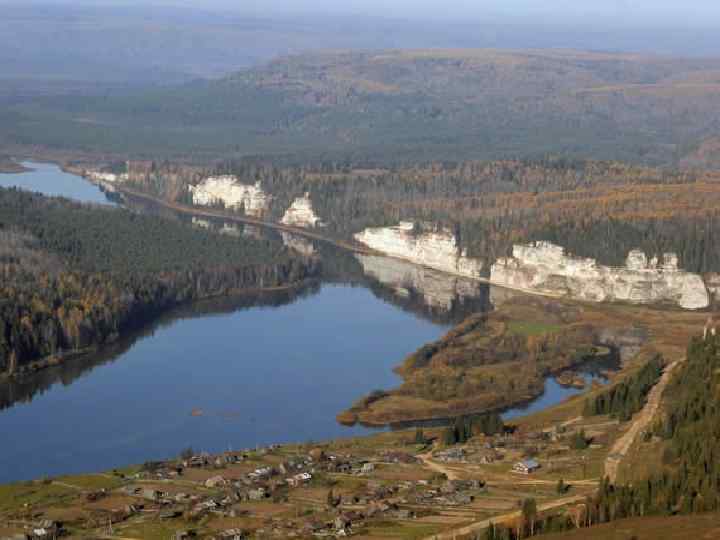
pixel 526 466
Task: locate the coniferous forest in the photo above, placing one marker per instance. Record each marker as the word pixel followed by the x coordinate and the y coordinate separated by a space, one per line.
pixel 73 276
pixel 689 480
pixel 627 397
pixel 593 209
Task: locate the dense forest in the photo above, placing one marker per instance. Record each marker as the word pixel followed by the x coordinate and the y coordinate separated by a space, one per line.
pixel 688 481
pixel 395 107
pixel 594 209
pixel 74 276
pixel 629 396
pixel 464 428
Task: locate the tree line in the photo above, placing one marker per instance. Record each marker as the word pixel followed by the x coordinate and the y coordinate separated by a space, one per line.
pixel 594 209
pixel 75 276
pixel 628 396
pixel 464 428
pixel 688 480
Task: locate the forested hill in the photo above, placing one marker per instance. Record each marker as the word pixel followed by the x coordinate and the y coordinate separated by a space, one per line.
pixel 592 208
pixel 75 276
pixel 689 478
pixel 399 106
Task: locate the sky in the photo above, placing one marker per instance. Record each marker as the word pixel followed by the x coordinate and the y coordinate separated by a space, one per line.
pixel 618 11
pixel 674 13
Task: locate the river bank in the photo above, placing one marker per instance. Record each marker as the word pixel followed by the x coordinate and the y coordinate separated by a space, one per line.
pixel 334 344
pixel 147 319
pixel 232 216
pixel 498 361
pixel 10 166
pixel 397 407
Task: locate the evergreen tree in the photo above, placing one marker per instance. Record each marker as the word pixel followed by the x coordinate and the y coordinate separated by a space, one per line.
pixel 561 487
pixel 529 514
pixel 579 440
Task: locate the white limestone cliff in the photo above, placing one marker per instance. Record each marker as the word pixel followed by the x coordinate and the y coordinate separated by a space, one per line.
pixel 439 291
pixel 301 214
pixel 231 193
pixel 436 249
pixel 100 176
pixel 201 223
pixel 712 282
pixel 298 243
pixel 543 267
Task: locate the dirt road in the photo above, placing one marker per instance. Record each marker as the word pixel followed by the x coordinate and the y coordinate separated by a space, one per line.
pixel 438 467
pixel 640 422
pixel 480 526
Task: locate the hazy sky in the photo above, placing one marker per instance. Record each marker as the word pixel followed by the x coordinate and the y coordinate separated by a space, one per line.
pixel 619 11
pixel 675 13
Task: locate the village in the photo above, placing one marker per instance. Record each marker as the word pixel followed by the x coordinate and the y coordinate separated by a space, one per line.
pixel 404 484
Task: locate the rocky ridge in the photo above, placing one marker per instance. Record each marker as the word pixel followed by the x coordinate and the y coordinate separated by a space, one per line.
pixel 301 214
pixel 228 190
pixel 545 268
pixel 436 249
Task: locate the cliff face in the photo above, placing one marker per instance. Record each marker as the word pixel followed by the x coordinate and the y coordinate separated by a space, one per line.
pixel 231 193
pixel 439 291
pixel 712 281
pixel 543 267
pixel 298 243
pixel 301 214
pixel 435 249
pixel 100 176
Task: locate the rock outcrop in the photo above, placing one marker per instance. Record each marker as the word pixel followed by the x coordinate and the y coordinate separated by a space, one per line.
pixel 301 214
pixel 101 176
pixel 712 282
pixel 439 291
pixel 436 248
pixel 228 191
pixel 298 243
pixel 543 267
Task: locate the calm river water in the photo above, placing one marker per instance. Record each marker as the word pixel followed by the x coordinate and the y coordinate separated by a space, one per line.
pixel 234 373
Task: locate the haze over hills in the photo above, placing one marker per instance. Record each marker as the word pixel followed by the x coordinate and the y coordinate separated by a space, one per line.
pixel 151 43
pixel 401 105
pixel 172 79
pixel 544 176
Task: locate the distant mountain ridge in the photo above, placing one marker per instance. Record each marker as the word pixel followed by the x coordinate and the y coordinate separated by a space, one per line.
pixel 404 105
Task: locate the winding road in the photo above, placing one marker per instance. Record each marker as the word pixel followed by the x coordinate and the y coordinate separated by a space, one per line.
pixel 438 467
pixel 480 526
pixel 641 421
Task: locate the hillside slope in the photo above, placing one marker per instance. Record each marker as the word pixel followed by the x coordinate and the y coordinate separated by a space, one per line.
pixel 403 105
pixel 74 277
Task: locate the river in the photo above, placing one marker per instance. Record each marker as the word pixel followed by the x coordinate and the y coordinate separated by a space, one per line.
pixel 233 373
pixel 47 178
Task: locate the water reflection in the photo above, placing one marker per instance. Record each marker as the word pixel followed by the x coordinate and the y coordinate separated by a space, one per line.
pixel 23 389
pixel 438 293
pixel 259 374
pixel 283 362
pixel 428 293
pixel 48 179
